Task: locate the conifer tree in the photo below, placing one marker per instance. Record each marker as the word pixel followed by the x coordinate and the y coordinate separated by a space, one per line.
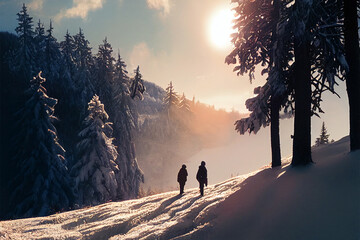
pixel 105 74
pixel 67 47
pixel 53 63
pixel 184 105
pixel 23 62
pixel 41 185
pixel 324 137
pixel 94 173
pixel 171 99
pixel 280 42
pixel 137 87
pixel 40 45
pixel 125 123
pixel 84 65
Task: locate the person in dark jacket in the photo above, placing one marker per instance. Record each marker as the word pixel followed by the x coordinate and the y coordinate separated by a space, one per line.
pixel 201 176
pixel 182 177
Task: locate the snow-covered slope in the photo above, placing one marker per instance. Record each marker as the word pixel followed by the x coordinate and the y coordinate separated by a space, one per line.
pixel 320 201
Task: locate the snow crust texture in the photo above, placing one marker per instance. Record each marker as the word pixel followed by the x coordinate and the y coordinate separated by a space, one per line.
pixel 318 201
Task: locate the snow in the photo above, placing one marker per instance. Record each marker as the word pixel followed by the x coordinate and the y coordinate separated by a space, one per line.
pixel 318 201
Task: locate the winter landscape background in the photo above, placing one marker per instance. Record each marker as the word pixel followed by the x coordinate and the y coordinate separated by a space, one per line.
pixel 101 103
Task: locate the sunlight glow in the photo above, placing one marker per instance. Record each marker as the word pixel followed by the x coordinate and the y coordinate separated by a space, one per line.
pixel 220 28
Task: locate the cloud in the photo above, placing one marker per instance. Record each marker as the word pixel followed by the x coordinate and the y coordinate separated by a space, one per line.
pixel 36 5
pixel 80 8
pixel 162 5
pixel 141 55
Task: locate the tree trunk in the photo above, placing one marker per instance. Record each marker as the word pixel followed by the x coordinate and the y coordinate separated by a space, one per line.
pixel 352 54
pixel 302 122
pixel 275 135
pixel 275 100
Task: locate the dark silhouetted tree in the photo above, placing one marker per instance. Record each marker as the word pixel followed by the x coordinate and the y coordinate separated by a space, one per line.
pixel 352 53
pixel 324 137
pixel 42 184
pixel 23 62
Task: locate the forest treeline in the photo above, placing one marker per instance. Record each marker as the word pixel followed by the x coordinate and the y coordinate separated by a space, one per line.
pixel 176 129
pixel 72 119
pixel 67 122
pixel 304 48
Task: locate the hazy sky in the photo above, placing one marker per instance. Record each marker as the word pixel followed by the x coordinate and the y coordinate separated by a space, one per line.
pixel 171 40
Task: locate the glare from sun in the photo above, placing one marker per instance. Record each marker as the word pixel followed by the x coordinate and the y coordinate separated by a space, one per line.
pixel 220 28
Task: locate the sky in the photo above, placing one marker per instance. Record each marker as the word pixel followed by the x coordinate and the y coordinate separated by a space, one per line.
pixel 179 41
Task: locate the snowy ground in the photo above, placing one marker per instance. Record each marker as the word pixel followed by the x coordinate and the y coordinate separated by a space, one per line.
pixel 320 201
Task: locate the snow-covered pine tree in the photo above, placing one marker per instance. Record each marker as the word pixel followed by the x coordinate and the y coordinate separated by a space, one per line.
pixel 84 64
pixel 171 100
pixel 319 57
pixel 254 44
pixel 40 45
pixel 184 104
pixel 67 47
pixel 94 172
pixel 23 61
pixel 52 64
pixel 129 176
pixel 137 87
pixel 324 137
pixel 105 74
pixel 42 184
pixel 296 24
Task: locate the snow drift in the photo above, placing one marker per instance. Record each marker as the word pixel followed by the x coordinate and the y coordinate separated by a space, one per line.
pixel 318 201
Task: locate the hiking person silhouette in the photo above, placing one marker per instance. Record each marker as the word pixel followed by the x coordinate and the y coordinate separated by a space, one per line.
pixel 201 176
pixel 182 177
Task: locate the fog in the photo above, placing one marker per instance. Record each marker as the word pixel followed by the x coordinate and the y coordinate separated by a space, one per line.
pixel 238 154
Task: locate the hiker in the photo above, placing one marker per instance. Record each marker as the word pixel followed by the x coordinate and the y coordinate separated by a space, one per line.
pixel 182 177
pixel 201 176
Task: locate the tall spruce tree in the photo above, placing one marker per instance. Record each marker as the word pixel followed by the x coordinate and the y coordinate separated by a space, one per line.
pixel 129 176
pixel 94 172
pixel 105 74
pixel 171 100
pixel 84 67
pixel 67 47
pixel 324 136
pixel 52 64
pixel 297 29
pixel 137 86
pixel 255 43
pixel 42 185
pixel 23 62
pixel 184 104
pixel 40 46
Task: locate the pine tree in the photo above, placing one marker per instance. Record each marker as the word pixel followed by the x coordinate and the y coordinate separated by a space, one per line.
pixel 105 74
pixel 94 173
pixel 324 137
pixel 184 105
pixel 23 62
pixel 41 185
pixel 171 100
pixel 297 44
pixel 137 87
pixel 255 43
pixel 67 47
pixel 84 65
pixel 129 176
pixel 53 63
pixel 40 46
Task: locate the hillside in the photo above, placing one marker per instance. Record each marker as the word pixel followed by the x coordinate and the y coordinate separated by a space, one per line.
pixel 319 201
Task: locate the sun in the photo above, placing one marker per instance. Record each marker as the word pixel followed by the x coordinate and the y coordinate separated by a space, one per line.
pixel 220 28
